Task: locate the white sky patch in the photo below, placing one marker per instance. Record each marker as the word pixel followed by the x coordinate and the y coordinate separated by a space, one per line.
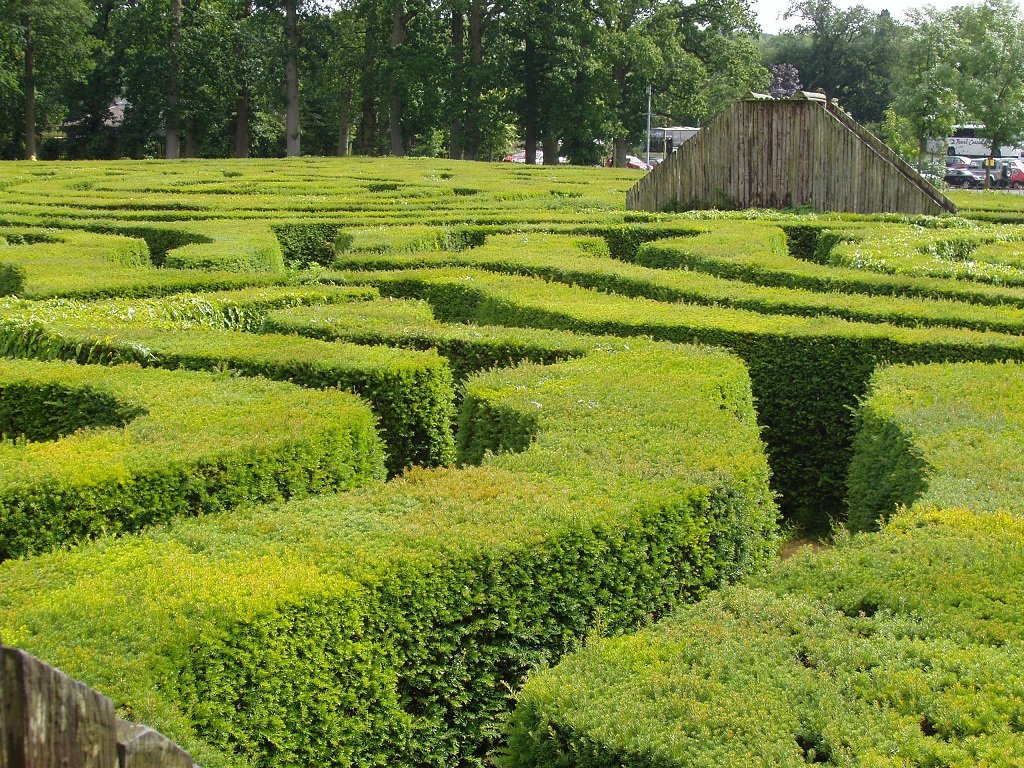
pixel 770 12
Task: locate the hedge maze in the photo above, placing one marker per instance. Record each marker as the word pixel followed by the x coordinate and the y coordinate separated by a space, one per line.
pixel 317 462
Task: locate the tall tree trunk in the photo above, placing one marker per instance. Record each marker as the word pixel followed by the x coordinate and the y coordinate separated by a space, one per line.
pixel 242 100
pixel 531 89
pixel 619 156
pixel 550 150
pixel 399 32
pixel 172 135
pixel 367 139
pixel 189 148
pixel 395 123
pixel 473 79
pixel 619 152
pixel 242 139
pixel 344 128
pixel 30 89
pixel 458 84
pixel 291 79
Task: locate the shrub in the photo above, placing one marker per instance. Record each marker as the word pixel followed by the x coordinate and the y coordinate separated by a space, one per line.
pixel 138 447
pixel 894 649
pixel 945 435
pixel 382 627
pixel 307 243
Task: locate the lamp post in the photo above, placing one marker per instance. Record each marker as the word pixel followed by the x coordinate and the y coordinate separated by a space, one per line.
pixel 649 92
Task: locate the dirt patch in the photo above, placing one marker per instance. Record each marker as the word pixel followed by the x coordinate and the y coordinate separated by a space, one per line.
pixel 798 543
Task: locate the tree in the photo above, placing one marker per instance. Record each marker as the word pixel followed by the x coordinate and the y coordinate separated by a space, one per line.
pixel 331 56
pixel 47 45
pixel 849 54
pixel 785 81
pixel 697 55
pixel 992 66
pixel 925 87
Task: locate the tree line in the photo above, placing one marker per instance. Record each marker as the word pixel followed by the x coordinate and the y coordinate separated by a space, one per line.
pixel 912 81
pixel 463 78
pixel 470 78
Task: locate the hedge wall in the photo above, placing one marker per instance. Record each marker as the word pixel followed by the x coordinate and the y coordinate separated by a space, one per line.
pixel 807 373
pixel 86 265
pixel 383 627
pixel 899 648
pixel 945 435
pixel 411 392
pixel 572 260
pixel 91 450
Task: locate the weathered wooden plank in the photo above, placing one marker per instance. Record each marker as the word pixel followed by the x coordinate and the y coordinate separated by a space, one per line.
pixel 788 153
pixel 142 747
pixel 51 720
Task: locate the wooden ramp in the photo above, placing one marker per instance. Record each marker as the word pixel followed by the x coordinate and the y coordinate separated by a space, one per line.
pixel 787 153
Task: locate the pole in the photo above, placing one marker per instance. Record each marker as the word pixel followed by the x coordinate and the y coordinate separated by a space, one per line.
pixel 649 90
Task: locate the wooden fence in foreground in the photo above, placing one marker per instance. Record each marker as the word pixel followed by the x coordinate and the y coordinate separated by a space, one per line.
pixel 787 153
pixel 49 720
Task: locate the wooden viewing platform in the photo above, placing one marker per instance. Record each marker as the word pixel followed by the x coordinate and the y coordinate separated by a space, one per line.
pixel 787 153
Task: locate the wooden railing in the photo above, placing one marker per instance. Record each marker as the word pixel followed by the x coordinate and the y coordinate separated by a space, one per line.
pixel 49 720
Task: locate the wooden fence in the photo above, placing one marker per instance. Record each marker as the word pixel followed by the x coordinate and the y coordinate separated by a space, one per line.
pixel 49 720
pixel 787 153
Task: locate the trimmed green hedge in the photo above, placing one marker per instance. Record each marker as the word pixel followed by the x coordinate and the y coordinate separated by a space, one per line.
pixel 807 373
pixel 139 447
pixel 411 392
pixel 585 262
pixel 307 243
pixel 759 252
pixel 941 435
pixel 384 627
pixel 87 266
pixel 901 648
pixel 411 324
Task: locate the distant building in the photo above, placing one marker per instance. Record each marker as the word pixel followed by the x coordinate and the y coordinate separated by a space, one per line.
pixel 787 153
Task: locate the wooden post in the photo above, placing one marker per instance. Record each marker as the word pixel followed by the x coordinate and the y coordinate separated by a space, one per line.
pixel 142 747
pixel 49 720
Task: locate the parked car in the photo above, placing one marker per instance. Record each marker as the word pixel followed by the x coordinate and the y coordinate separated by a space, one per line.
pixel 519 156
pixel 961 177
pixel 957 161
pixel 1017 179
pixel 632 161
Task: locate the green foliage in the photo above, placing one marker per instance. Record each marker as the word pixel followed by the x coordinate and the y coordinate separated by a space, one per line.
pixel 307 243
pixel 411 392
pixel 411 324
pixel 162 444
pixel 383 626
pixel 50 412
pixel 606 478
pixel 807 373
pixel 938 435
pixel 892 649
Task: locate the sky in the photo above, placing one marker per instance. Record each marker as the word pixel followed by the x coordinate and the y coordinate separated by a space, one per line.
pixel 769 12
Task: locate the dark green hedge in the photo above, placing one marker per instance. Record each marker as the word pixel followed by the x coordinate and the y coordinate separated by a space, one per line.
pixel 308 243
pixel 150 445
pixel 759 252
pixel 946 435
pixel 411 324
pixel 87 265
pixel 807 373
pixel 412 393
pixel 900 648
pixel 572 260
pixel 386 627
